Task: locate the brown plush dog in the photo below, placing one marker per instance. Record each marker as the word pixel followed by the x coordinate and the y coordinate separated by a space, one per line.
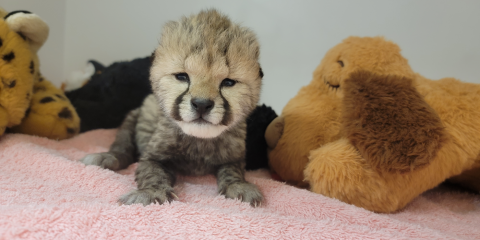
pixel 369 131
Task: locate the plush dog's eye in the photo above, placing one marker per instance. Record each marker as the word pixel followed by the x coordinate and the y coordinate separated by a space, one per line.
pixel 341 63
pixel 227 82
pixel 333 86
pixel 182 77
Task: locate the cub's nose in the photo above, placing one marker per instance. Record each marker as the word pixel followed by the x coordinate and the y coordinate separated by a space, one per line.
pixel 202 105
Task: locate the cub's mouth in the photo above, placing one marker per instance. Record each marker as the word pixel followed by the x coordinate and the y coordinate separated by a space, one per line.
pixel 201 121
pixel 202 128
pixel 199 118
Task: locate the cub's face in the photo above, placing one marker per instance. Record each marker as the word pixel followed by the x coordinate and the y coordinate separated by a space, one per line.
pixel 206 76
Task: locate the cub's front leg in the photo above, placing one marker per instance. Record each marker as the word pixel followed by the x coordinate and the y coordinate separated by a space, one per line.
pixel 231 183
pixel 154 182
pixel 122 152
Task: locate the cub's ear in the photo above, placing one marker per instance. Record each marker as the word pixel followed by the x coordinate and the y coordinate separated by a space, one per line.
pixel 389 122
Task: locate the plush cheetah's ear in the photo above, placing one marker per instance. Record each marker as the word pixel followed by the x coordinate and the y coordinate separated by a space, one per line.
pixel 389 122
pixel 30 26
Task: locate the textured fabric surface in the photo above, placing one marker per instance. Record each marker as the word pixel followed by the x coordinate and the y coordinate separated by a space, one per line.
pixel 47 194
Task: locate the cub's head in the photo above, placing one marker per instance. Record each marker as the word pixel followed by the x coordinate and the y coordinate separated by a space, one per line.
pixel 206 74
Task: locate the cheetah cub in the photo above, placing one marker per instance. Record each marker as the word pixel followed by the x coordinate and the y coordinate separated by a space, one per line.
pixel 206 80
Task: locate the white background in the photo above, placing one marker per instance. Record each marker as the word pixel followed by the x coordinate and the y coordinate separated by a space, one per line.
pixel 440 38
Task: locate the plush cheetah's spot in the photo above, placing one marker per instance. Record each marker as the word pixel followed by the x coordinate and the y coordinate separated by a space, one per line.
pixel 1 42
pixel 8 57
pixel 47 100
pixel 22 36
pixel 60 96
pixel 38 88
pixel 32 67
pixel 28 112
pixel 28 95
pixel 12 84
pixel 65 113
pixel 40 79
pixel 71 130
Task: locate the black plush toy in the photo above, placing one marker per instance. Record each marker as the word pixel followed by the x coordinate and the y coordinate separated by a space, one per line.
pixel 257 123
pixel 113 91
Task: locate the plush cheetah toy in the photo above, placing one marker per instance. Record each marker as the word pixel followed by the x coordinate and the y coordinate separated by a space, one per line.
pixel 28 102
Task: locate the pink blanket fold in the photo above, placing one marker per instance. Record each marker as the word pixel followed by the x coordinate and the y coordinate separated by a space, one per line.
pixel 47 194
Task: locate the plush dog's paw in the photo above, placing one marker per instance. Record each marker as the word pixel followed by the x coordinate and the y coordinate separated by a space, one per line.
pixel 244 191
pixel 148 196
pixel 104 160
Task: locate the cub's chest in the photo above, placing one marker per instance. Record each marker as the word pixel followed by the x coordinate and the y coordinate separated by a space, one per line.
pixel 199 157
pixel 190 155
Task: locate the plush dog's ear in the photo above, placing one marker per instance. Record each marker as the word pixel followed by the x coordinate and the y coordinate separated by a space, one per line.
pixel 389 122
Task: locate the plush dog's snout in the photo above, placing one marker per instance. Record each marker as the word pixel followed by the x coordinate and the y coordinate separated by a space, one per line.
pixel 202 105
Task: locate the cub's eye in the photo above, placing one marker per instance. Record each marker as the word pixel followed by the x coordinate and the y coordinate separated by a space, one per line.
pixel 182 77
pixel 227 82
pixel 341 63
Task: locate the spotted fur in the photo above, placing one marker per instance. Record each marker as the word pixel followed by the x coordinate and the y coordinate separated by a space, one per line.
pixel 206 80
pixel 15 80
pixel 28 104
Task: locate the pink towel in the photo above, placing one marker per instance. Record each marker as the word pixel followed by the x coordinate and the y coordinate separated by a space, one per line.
pixel 47 194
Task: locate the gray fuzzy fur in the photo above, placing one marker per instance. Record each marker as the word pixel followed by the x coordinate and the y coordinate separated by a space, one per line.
pixel 165 133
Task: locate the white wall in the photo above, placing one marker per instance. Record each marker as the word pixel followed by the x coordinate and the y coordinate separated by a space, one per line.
pixel 440 38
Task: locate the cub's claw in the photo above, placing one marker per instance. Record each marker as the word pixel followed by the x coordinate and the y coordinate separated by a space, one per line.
pixel 175 196
pixel 148 196
pixel 103 160
pixel 244 191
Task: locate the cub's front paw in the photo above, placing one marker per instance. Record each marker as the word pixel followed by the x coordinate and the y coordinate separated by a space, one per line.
pixel 104 160
pixel 147 196
pixel 244 191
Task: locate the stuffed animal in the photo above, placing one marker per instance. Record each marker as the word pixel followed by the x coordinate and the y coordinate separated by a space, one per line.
pixel 28 102
pixel 369 131
pixel 111 92
pixel 256 156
